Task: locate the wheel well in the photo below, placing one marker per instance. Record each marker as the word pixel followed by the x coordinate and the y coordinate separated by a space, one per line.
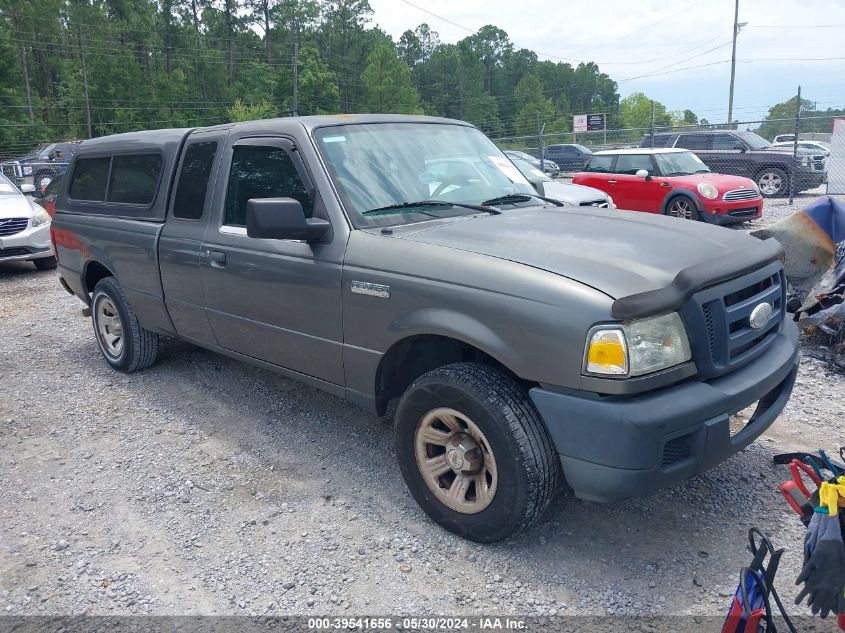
pixel 679 192
pixel 94 272
pixel 414 356
pixel 763 168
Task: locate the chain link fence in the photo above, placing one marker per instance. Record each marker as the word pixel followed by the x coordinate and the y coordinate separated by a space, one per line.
pixel 810 157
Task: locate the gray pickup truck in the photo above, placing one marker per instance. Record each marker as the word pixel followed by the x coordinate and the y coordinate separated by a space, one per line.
pixel 385 257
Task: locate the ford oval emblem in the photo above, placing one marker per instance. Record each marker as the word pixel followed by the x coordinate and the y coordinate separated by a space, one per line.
pixel 760 315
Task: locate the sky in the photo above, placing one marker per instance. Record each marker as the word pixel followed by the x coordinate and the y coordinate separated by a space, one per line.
pixel 683 45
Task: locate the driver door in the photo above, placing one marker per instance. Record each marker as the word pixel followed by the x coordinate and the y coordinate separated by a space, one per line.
pixel 275 300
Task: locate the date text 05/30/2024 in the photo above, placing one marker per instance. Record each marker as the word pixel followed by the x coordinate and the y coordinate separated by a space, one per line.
pixel 417 624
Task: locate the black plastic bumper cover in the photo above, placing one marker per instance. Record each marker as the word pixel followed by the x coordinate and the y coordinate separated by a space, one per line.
pixel 611 448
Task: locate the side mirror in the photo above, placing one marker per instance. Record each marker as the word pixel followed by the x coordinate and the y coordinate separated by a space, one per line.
pixel 27 188
pixel 282 219
pixel 643 173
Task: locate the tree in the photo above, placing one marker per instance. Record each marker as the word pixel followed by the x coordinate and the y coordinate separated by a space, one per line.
pixel 240 112
pixel 386 83
pixel 318 91
pixel 529 96
pixel 489 45
pixel 781 118
pixel 635 112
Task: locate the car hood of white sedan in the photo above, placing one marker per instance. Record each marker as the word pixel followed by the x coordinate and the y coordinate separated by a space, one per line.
pixel 15 206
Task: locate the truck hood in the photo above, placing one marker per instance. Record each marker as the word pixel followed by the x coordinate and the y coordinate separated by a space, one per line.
pixel 15 206
pixel 620 253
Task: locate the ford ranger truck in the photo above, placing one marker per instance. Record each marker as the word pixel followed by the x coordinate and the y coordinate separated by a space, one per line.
pixel 385 257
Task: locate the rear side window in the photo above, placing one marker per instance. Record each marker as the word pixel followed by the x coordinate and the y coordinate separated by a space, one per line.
pixel 695 141
pixel 261 172
pixel 192 189
pixel 600 164
pixel 90 177
pixel 134 178
pixel 632 163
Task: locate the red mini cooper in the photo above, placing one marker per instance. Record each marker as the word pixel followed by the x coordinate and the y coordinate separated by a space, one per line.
pixel 673 182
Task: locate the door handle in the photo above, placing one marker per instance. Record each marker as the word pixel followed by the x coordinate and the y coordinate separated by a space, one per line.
pixel 611 182
pixel 217 259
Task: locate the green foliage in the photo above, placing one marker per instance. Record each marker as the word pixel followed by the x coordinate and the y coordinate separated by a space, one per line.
pixel 635 111
pixel 386 83
pixel 240 112
pixel 786 111
pixel 140 64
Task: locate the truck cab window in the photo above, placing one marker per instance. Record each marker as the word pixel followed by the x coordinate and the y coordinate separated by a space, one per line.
pixel 261 172
pixel 191 190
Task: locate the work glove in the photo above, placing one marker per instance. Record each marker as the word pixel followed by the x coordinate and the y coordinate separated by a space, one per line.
pixel 811 536
pixel 823 574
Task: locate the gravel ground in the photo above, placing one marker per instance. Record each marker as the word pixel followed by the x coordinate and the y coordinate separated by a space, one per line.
pixel 206 486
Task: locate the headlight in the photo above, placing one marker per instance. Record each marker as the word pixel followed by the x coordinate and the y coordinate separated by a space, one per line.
pixel 27 170
pixel 708 191
pixel 806 161
pixel 639 347
pixel 610 204
pixel 40 218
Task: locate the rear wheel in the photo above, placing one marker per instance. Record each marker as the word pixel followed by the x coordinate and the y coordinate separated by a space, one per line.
pixel 773 182
pixel 122 341
pixel 45 263
pixel 682 207
pixel 474 452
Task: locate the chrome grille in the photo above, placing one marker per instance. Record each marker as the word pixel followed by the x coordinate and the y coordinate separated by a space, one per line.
pixel 818 162
pixel 10 226
pixel 718 317
pixel 595 203
pixel 740 194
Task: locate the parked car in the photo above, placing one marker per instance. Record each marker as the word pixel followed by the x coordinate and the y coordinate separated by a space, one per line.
pixel 46 196
pixel 524 341
pixel 549 166
pixel 673 182
pixel 743 153
pixel 783 138
pixel 45 162
pixel 816 147
pixel 569 156
pixel 24 228
pixel 575 195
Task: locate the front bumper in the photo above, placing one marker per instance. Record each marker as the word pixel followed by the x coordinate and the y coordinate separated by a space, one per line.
pixel 809 179
pixel 27 245
pixel 725 213
pixel 615 448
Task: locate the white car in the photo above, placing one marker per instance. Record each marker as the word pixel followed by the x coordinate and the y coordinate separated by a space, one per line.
pixel 24 228
pixel 814 146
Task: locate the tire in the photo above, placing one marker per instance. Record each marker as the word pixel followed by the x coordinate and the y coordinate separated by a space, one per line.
pixel 682 207
pixel 502 445
pixel 773 182
pixel 45 263
pixel 122 341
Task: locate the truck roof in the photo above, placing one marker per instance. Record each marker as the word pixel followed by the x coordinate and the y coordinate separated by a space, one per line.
pixel 643 150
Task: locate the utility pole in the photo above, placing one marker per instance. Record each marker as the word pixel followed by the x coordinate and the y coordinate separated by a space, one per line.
pixel 85 81
pixel 296 78
pixel 540 128
pixel 737 27
pixel 651 124
pixel 25 66
pixel 795 146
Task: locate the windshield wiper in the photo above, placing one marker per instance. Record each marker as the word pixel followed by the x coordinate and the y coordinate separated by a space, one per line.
pixel 399 206
pixel 522 197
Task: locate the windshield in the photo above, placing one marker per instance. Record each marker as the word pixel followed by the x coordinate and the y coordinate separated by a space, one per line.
pixel 379 165
pixel 530 171
pixel 680 164
pixel 7 188
pixel 754 141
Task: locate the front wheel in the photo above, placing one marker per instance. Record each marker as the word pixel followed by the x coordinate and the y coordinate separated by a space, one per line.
pixel 773 182
pixel 123 342
pixel 474 452
pixel 682 207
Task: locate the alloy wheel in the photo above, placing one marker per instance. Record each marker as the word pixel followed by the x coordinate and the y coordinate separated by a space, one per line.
pixel 681 208
pixel 770 183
